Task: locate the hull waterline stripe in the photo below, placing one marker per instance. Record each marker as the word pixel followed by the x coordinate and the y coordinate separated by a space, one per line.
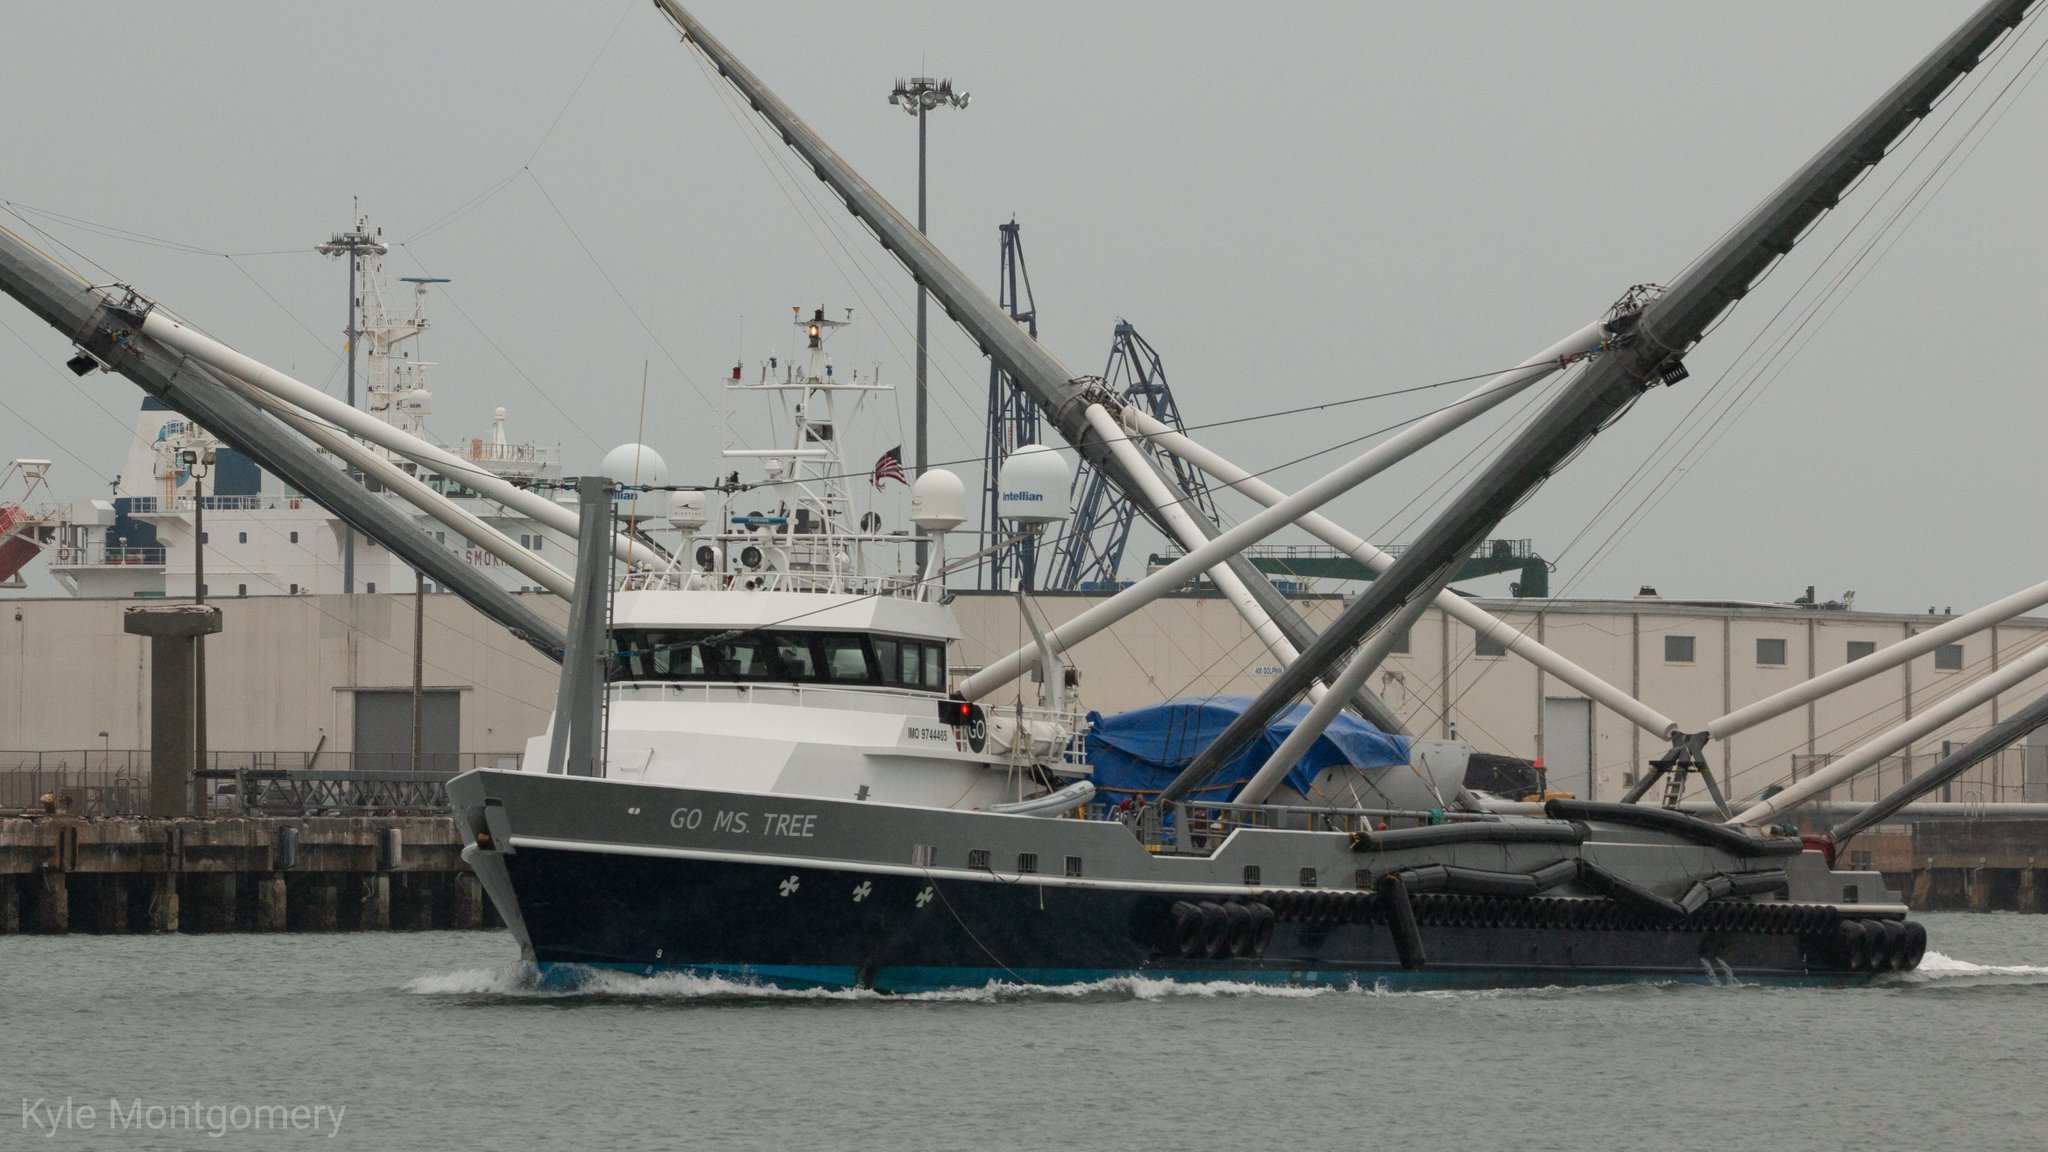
pixel 1041 879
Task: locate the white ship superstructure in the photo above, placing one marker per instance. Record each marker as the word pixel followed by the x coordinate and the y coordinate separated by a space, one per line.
pixel 776 653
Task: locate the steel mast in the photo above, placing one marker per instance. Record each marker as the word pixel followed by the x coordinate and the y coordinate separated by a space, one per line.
pixel 352 244
pixel 1659 327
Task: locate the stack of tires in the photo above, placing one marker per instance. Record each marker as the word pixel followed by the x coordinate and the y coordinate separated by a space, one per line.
pixel 1877 945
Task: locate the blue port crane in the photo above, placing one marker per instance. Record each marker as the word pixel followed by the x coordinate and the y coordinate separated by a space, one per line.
pixel 1012 423
pixel 1090 554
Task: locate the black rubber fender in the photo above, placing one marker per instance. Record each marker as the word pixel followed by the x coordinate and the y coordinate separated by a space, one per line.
pixel 1189 929
pixel 1515 831
pixel 1852 948
pixel 1215 928
pixel 1238 928
pixel 1766 881
pixel 1894 944
pixel 1696 898
pixel 1677 823
pixel 1263 921
pixel 1427 878
pixel 1401 923
pixel 1555 873
pixel 1621 888
pixel 1481 882
pixel 1915 948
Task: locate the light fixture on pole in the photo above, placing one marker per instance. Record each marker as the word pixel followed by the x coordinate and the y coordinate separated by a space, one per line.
pixel 917 96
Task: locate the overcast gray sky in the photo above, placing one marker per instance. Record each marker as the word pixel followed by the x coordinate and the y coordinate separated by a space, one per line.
pixel 1294 203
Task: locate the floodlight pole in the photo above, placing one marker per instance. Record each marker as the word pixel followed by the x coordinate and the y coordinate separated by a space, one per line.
pixel 917 96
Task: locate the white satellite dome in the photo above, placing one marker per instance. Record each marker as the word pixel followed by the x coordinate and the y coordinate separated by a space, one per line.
pixel 634 464
pixel 938 501
pixel 1033 487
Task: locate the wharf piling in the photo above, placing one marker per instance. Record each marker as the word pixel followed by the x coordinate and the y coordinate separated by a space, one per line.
pixel 127 874
pixel 1963 866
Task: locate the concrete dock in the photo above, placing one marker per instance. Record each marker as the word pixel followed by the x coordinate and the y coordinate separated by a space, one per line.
pixel 63 874
pixel 1972 866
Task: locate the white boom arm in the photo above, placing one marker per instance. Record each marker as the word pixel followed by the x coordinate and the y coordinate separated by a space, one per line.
pixel 1870 752
pixel 1289 510
pixel 172 333
pixel 1890 656
pixel 412 491
pixel 1172 509
pixel 1457 607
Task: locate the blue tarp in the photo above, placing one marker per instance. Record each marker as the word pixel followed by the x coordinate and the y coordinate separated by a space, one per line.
pixel 1141 751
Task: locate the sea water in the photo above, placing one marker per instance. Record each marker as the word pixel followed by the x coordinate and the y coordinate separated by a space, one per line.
pixel 438 1040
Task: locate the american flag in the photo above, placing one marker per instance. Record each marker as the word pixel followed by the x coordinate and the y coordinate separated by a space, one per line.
pixel 890 467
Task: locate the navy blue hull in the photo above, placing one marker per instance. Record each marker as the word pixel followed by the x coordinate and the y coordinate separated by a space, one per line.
pixel 795 925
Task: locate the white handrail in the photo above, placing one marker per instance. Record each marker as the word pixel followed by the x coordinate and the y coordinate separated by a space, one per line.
pixel 1898 736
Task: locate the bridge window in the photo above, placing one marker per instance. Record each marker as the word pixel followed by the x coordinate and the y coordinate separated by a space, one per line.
pixel 1858 649
pixel 786 656
pixel 1487 644
pixel 1949 658
pixel 1770 652
pixel 1678 649
pixel 845 659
